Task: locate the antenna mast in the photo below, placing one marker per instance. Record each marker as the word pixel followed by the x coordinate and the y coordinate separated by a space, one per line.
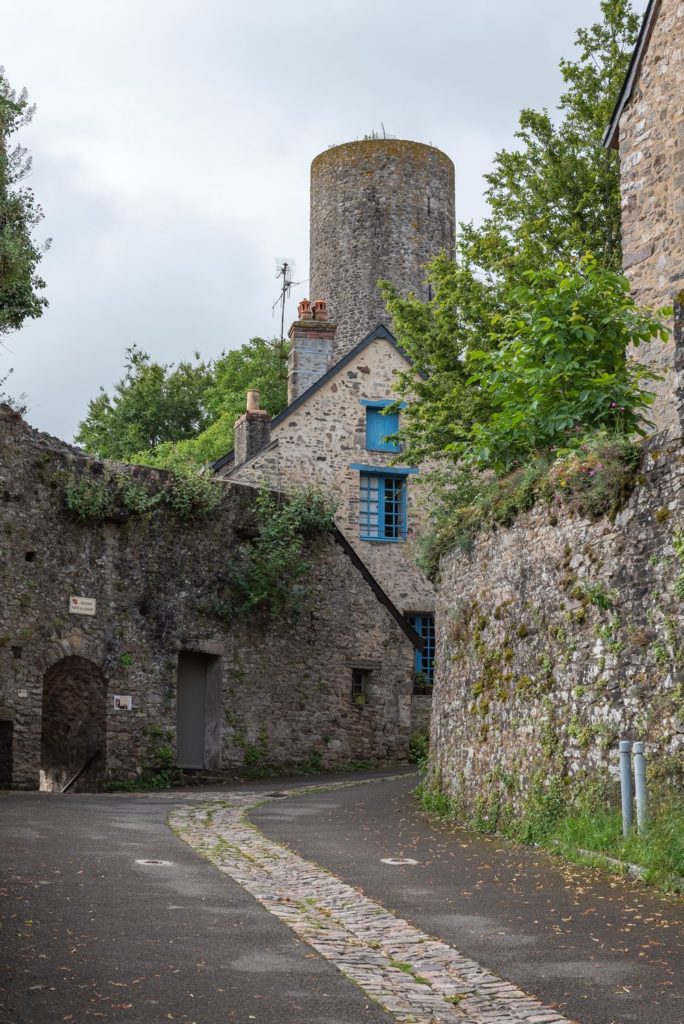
pixel 284 272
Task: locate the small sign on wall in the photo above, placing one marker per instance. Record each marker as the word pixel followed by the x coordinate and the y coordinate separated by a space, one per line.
pixel 82 605
pixel 123 702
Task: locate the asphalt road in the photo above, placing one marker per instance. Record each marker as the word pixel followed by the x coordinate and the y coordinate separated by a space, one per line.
pixel 89 935
pixel 603 951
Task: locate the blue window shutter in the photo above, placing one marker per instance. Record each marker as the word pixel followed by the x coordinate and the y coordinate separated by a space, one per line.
pixel 379 426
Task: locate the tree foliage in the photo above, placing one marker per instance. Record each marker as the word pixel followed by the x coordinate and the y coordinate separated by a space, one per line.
pixel 177 416
pixel 19 214
pixel 557 195
pixel 558 370
pixel 524 340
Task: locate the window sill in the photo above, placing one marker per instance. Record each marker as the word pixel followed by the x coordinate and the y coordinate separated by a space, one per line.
pixel 383 540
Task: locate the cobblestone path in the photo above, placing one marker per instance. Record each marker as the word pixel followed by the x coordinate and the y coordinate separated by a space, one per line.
pixel 412 975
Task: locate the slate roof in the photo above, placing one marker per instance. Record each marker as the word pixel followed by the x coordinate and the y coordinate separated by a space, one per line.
pixel 611 136
pixel 380 332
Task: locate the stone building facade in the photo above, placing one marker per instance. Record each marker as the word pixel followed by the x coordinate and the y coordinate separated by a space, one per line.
pixel 115 643
pixel 380 209
pixel 648 129
pixel 323 439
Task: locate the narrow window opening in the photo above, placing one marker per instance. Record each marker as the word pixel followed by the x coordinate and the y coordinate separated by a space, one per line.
pixel 424 665
pixel 428 206
pixel 17 652
pixel 429 293
pixel 30 556
pixel 361 679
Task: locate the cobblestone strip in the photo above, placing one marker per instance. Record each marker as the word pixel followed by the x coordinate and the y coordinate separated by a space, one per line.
pixel 415 977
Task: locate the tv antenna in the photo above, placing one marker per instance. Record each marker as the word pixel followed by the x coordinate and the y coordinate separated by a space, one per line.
pixel 285 269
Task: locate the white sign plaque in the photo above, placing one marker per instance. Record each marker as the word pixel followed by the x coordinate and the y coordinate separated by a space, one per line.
pixel 82 605
pixel 123 702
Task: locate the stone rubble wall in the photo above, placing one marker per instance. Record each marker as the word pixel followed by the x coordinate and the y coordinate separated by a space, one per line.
pixel 285 689
pixel 652 176
pixel 558 637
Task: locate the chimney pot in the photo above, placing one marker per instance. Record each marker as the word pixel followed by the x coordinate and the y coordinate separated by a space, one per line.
pixel 252 401
pixel 304 310
pixel 320 310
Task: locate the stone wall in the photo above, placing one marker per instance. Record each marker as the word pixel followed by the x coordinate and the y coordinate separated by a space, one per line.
pixel 651 137
pixel 556 638
pixel 380 208
pixel 284 693
pixel 317 442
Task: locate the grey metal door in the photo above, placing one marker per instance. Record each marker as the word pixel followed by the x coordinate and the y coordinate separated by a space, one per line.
pixel 191 711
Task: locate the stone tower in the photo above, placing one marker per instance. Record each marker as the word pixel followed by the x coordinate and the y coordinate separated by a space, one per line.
pixel 380 208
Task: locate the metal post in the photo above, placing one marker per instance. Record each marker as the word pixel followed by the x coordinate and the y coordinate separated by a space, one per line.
pixel 640 786
pixel 626 784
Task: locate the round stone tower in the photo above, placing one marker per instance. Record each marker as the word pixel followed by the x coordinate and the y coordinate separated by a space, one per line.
pixel 380 208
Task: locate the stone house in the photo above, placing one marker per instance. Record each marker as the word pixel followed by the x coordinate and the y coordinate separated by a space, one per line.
pixel 117 652
pixel 379 209
pixel 647 127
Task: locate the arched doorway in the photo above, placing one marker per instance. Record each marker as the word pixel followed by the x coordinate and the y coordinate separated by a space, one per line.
pixel 74 725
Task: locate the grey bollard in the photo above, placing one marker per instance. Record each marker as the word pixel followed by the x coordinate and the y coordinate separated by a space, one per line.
pixel 626 784
pixel 640 786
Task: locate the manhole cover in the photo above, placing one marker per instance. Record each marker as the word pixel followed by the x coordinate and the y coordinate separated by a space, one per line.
pixel 151 862
pixel 398 861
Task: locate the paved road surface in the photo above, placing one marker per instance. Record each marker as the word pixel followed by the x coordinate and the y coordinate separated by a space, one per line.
pixel 601 952
pixel 89 935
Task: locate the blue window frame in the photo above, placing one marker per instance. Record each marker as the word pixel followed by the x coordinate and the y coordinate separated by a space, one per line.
pixel 382 507
pixel 424 665
pixel 379 426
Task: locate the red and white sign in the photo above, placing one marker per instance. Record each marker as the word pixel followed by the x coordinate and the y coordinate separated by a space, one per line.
pixel 82 605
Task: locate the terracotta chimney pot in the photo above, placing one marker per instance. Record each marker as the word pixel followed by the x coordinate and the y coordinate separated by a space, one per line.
pixel 320 310
pixel 252 401
pixel 304 310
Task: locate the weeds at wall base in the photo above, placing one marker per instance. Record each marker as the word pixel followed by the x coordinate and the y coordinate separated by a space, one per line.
pixel 579 826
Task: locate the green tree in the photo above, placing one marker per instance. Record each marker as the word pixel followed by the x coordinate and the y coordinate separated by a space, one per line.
pixel 557 195
pixel 19 214
pixel 552 200
pixel 558 370
pixel 180 416
pixel 153 403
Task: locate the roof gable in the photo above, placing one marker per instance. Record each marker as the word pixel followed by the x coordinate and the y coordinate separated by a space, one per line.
pixel 611 136
pixel 380 333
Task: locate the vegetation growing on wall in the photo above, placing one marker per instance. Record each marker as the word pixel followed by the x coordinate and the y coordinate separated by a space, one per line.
pixel 117 496
pixel 270 579
pixel 592 480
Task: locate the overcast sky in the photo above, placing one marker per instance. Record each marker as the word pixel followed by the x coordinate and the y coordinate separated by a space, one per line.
pixel 172 143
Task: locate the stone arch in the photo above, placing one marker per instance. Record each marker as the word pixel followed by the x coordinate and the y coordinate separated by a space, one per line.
pixel 74 724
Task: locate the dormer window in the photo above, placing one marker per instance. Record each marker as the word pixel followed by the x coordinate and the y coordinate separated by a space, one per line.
pixel 379 426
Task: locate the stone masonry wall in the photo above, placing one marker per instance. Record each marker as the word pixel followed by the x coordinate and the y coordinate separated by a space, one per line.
pixel 556 638
pixel 285 690
pixel 316 444
pixel 652 174
pixel 380 208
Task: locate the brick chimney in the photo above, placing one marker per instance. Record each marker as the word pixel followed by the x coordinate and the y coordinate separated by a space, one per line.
pixel 252 430
pixel 311 347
